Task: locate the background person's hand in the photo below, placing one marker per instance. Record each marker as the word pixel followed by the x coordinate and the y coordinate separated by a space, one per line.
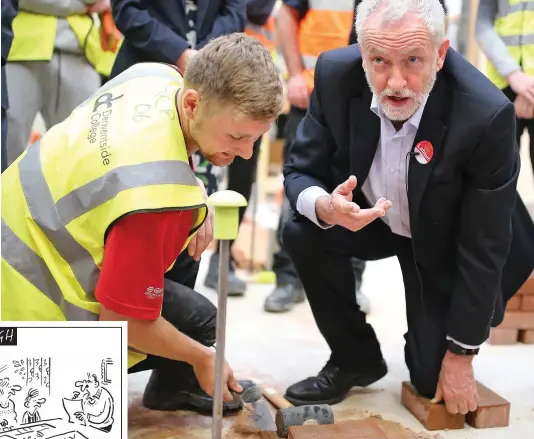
pixel 523 108
pixel 339 209
pixel 297 91
pixel 205 373
pixel 523 85
pixel 457 385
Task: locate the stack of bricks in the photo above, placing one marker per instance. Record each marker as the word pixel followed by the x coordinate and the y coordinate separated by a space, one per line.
pixel 518 323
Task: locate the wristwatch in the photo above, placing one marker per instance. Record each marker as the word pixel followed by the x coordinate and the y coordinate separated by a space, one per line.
pixel 459 350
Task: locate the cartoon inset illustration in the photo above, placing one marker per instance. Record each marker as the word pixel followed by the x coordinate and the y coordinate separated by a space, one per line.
pixel 8 415
pixel 94 408
pixel 32 403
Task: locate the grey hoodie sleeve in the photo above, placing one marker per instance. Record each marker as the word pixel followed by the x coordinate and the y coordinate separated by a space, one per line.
pixel 490 42
pixel 57 8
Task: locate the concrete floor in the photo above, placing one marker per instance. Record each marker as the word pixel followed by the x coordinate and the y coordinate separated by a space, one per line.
pixel 277 350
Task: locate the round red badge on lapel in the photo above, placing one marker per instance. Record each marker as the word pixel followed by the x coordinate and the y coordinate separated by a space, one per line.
pixel 424 152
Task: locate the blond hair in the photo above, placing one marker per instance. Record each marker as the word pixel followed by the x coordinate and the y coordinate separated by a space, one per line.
pixel 236 69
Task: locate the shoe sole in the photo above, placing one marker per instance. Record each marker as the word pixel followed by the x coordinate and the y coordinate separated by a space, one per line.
pixel 337 399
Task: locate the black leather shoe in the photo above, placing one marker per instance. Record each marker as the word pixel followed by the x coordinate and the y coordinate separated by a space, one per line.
pixel 191 397
pixel 283 298
pixel 333 384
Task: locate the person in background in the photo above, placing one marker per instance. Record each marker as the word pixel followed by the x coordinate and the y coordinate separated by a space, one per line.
pixel 505 34
pixel 305 28
pixel 172 32
pixel 9 12
pixel 53 65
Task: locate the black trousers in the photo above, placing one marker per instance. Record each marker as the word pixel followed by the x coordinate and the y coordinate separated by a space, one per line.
pixel 322 260
pixel 190 312
pixel 522 125
pixel 282 264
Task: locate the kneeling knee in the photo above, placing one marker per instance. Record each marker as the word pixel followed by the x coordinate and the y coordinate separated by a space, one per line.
pixel 425 384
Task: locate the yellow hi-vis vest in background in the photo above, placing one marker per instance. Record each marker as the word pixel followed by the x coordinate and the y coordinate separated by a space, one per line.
pixel 121 151
pixel 515 26
pixel 34 36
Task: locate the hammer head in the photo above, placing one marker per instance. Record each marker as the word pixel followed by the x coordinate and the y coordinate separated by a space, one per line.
pixel 306 414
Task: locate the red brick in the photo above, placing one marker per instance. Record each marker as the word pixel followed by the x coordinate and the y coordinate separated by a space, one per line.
pixel 514 303
pixel 493 410
pixel 526 336
pixel 364 429
pixel 528 286
pixel 432 416
pixel 527 303
pixel 518 320
pixel 501 336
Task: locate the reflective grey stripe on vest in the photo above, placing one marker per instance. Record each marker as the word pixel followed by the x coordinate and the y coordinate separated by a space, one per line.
pixel 332 5
pixel 34 269
pixel 309 62
pixel 508 9
pixel 141 70
pixel 52 218
pixel 518 40
pixel 260 30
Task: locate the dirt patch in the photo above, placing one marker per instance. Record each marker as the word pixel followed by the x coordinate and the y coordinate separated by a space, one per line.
pixel 241 429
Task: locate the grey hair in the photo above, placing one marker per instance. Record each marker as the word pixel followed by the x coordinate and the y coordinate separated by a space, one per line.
pixel 430 11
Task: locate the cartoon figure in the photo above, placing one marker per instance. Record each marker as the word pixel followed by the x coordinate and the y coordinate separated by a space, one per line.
pixel 8 415
pixel 97 404
pixel 32 403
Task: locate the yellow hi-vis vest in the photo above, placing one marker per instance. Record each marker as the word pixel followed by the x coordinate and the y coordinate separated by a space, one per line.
pixel 121 151
pixel 34 36
pixel 515 26
pixel 325 26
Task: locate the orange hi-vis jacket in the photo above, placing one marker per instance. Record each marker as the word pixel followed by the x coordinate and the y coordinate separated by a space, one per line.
pixel 265 33
pixel 326 26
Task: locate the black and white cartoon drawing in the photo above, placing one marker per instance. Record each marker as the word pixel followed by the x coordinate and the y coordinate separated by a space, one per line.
pixel 92 405
pixel 49 392
pixel 32 403
pixel 8 415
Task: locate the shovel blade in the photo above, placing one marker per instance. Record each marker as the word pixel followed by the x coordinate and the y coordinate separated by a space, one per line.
pixel 261 416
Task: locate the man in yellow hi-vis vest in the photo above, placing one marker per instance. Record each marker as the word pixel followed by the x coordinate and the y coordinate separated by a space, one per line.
pixel 53 65
pixel 96 212
pixel 505 34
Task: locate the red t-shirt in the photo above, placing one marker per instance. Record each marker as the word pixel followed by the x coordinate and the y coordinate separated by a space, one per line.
pixel 138 251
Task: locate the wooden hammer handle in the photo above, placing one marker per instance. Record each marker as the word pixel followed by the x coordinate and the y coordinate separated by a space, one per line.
pixel 275 398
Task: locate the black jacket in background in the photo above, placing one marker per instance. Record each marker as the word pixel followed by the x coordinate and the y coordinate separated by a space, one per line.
pixel 156 30
pixel 259 11
pixel 352 37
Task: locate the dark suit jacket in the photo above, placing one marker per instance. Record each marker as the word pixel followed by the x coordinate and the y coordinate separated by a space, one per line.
pixel 259 11
pixel 464 213
pixel 9 12
pixel 155 30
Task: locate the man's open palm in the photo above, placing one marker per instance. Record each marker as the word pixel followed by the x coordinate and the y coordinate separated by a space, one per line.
pixel 339 209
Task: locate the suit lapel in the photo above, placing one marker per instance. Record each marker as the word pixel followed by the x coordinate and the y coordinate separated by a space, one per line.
pixel 202 6
pixel 431 129
pixel 364 136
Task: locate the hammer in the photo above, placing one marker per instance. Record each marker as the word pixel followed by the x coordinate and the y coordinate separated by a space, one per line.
pixel 288 415
pixel 225 229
